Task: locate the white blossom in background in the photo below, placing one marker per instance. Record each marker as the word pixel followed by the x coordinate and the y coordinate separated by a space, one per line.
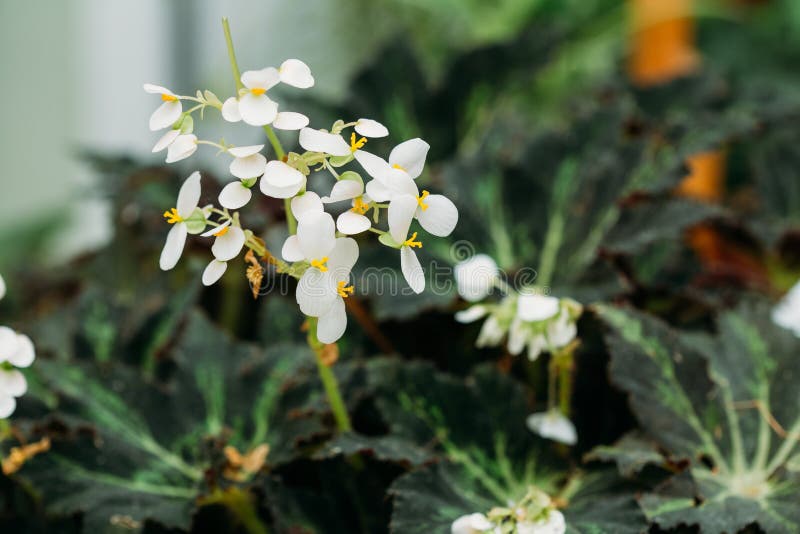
pixel 535 513
pixel 16 352
pixel 471 524
pixel 553 425
pixel 476 277
pixel 787 312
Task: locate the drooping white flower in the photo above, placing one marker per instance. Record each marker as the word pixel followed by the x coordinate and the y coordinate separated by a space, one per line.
pixel 188 198
pixel 229 240
pixel 16 350
pixel 168 112
pixel 336 145
pixel 542 323
pixel 281 180
pixel 166 140
pixel 254 107
pixel 787 312
pixel 471 524
pixel 476 277
pixel 553 425
pixel 2 287
pixel 183 146
pixel 352 221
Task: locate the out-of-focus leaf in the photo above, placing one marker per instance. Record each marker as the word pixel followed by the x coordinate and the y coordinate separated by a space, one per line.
pixel 713 401
pixel 631 453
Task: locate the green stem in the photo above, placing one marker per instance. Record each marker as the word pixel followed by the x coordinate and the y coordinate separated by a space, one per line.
pixel 329 381
pixel 792 437
pixel 237 76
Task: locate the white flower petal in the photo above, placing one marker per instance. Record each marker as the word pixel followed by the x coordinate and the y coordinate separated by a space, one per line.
pixel 181 148
pixel 400 183
pixel 9 343
pixel 7 405
pixel 244 151
pixel 319 141
pixel 279 174
pixel 536 307
pixel 216 229
pixel 491 333
pixel 228 245
pixel 471 314
pixel 235 195
pixel 189 195
pixel 517 337
pixel 401 213
pixel 316 293
pixel 344 190
pixel 412 270
pixel 371 128
pixel 296 73
pixel 306 205
pixel 317 236
pixel 157 89
pixel 173 248
pixel 291 250
pixel 410 156
pixel 165 115
pixel 342 258
pixel 166 140
pixel 214 271
pixel 536 346
pixel 248 167
pixel 25 353
pixel 261 79
pixel 441 216
pixel 12 382
pixel 475 277
pixel 352 223
pixel 331 325
pixel 553 425
pixel 562 331
pixel 281 192
pixel 257 110
pixel 2 287
pixel 376 166
pixel 230 110
pixel 787 312
pixel 471 524
pixel 378 192
pixel 289 120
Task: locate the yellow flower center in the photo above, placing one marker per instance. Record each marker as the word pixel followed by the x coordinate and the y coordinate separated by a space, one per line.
pixel 355 144
pixel 344 290
pixel 421 200
pixel 172 216
pixel 258 91
pixel 399 167
pixel 359 206
pixel 168 98
pixel 410 242
pixel 320 264
pixel 222 231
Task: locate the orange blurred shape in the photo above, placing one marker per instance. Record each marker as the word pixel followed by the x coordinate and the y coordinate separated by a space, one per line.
pixel 705 179
pixel 662 41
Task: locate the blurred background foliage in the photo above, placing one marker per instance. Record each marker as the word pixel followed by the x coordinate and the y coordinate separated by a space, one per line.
pixel 560 159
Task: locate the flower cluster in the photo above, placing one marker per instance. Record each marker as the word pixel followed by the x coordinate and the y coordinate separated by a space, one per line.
pixel 534 514
pixel 16 351
pixel 318 251
pixel 526 321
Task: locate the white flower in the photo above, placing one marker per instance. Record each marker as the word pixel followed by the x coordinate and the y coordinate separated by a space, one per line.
pixel 553 425
pixel 307 205
pixel 352 221
pixel 166 140
pixel 471 524
pixel 335 145
pixel 229 240
pixel 188 198
pixel 181 147
pixel 532 307
pixel 168 112
pixel 281 180
pixel 247 165
pixel 2 287
pixel 476 276
pixel 554 523
pixel 254 106
pixel 409 157
pixel 324 285
pixel 787 312
pixel 16 350
pixel 401 211
pixel 542 322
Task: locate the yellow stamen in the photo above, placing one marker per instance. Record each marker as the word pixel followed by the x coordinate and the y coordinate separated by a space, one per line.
pixel 320 264
pixel 258 91
pixel 344 290
pixel 222 231
pixel 356 144
pixel 359 206
pixel 410 242
pixel 400 167
pixel 172 216
pixel 168 98
pixel 421 200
